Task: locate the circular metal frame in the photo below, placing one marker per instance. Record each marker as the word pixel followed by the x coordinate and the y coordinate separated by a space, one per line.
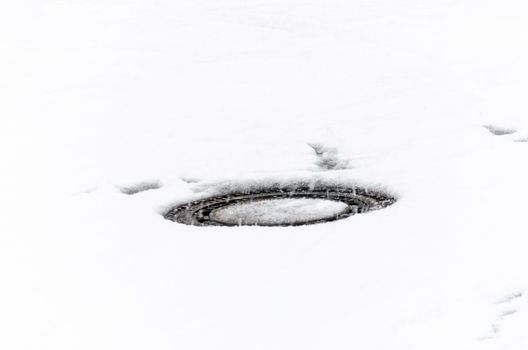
pixel 359 200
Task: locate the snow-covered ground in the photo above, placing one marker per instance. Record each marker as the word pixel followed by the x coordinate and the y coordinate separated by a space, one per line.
pixel 103 98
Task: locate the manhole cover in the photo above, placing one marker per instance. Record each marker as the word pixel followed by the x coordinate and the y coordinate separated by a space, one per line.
pixel 279 206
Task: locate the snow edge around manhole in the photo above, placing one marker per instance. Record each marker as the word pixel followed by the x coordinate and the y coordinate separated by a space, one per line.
pixel 257 183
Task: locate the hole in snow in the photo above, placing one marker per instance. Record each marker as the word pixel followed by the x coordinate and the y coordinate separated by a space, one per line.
pixel 328 157
pixel 140 187
pixel 497 130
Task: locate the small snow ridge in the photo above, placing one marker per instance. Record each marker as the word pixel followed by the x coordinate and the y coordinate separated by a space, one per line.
pixel 507 313
pixel 190 180
pixel 140 187
pixel 500 131
pixel 507 305
pixel 509 298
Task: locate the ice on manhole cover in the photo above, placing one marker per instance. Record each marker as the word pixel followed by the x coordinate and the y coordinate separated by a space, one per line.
pixel 278 211
pixel 280 206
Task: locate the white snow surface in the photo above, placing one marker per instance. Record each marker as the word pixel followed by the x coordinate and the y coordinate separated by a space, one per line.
pixel 196 97
pixel 284 211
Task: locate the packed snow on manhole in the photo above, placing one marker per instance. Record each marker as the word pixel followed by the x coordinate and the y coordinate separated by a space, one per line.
pixel 286 211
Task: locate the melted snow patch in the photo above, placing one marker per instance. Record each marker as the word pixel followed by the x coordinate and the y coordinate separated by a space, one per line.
pixel 286 211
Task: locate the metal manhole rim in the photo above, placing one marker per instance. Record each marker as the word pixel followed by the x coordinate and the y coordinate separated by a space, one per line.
pixel 358 199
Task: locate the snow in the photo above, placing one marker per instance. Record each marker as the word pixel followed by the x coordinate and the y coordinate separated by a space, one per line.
pixel 171 101
pixel 278 211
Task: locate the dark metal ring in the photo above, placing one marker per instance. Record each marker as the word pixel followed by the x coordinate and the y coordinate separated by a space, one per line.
pixel 358 200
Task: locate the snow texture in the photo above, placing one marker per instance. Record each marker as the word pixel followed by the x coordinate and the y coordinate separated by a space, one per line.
pixel 209 96
pixel 279 211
